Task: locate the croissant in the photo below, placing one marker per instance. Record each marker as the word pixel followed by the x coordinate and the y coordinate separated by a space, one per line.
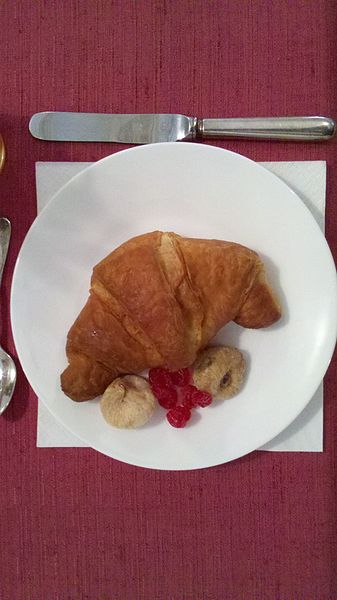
pixel 156 301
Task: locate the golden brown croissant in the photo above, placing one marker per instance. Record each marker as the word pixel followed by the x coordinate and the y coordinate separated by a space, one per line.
pixel 156 301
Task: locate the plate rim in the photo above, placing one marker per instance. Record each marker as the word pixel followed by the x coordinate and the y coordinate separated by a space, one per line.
pixel 329 263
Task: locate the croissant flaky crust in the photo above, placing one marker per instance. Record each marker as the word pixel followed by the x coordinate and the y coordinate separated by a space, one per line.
pixel 156 301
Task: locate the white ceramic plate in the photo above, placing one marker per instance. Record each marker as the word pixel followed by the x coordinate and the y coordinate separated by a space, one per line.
pixel 194 190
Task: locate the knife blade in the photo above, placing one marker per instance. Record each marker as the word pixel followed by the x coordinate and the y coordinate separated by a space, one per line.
pixel 153 128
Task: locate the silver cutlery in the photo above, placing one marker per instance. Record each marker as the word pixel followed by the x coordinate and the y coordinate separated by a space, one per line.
pixel 7 366
pixel 2 153
pixel 151 128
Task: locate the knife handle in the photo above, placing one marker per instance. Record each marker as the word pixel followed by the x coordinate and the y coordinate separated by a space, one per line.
pixel 283 128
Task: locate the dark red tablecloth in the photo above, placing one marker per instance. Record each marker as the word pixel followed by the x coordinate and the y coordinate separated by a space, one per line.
pixel 77 525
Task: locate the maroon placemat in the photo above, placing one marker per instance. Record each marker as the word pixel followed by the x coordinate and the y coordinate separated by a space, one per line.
pixel 77 525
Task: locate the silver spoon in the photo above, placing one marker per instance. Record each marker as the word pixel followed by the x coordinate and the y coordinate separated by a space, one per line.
pixel 7 366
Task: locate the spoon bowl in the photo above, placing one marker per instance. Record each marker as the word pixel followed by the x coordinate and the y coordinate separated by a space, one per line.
pixel 7 379
pixel 2 153
pixel 7 365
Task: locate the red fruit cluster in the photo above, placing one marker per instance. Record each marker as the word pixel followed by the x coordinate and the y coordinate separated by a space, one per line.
pixel 174 391
pixel 165 378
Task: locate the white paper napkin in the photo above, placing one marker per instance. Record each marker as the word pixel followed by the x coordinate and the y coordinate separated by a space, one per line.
pixel 308 180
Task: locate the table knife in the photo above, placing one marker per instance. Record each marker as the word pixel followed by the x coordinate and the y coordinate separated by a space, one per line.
pixel 152 128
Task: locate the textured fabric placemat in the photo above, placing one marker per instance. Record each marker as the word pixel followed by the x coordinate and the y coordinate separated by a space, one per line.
pixel 76 525
pixel 308 180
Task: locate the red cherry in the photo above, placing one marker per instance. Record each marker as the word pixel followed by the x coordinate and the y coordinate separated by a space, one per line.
pixel 178 416
pixel 191 396
pixel 188 396
pixel 167 397
pixel 181 377
pixel 203 398
pixel 159 377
